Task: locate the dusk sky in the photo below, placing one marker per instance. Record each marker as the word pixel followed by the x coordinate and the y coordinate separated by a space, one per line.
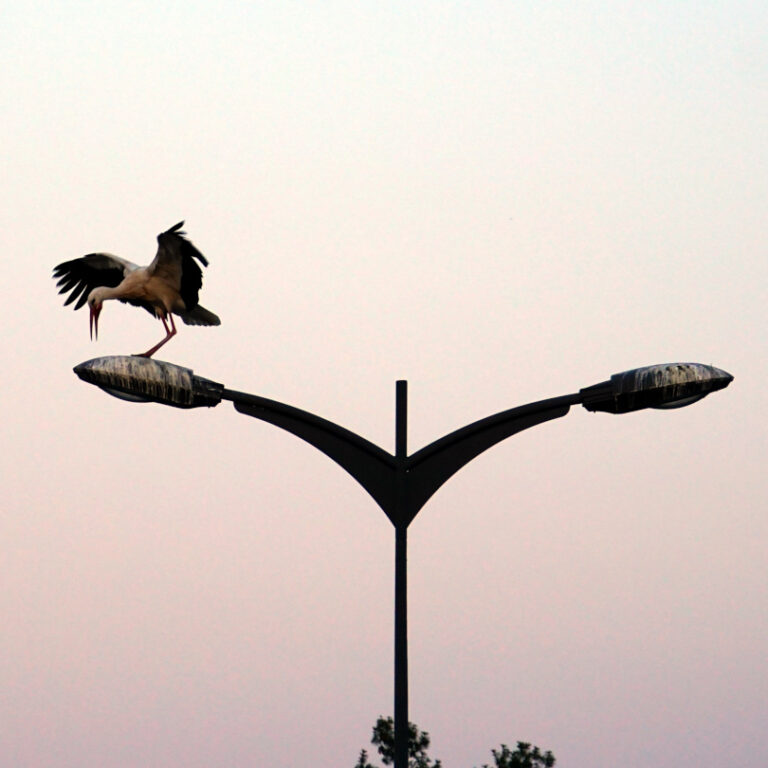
pixel 497 201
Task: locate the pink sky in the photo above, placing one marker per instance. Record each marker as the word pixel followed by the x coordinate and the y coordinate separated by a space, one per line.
pixel 498 202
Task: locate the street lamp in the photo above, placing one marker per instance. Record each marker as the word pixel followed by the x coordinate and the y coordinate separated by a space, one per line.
pixel 401 484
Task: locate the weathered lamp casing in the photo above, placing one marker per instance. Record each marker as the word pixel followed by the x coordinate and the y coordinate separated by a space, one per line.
pixel 672 385
pixel 144 380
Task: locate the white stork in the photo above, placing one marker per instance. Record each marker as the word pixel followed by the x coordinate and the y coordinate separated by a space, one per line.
pixel 168 286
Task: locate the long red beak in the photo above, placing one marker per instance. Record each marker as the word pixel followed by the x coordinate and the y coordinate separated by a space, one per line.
pixel 94 322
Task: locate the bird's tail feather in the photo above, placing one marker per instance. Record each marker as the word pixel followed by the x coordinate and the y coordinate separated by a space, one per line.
pixel 200 316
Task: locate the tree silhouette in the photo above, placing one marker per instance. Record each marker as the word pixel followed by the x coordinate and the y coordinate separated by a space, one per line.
pixel 524 756
pixel 384 740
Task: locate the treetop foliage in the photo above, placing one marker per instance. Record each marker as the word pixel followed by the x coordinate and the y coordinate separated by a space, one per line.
pixel 525 756
pixel 384 740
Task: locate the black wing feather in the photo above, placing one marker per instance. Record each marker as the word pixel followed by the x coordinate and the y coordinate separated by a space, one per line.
pixel 81 290
pixel 82 275
pixel 176 244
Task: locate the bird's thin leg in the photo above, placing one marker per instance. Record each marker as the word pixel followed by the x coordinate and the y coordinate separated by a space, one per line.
pixel 170 333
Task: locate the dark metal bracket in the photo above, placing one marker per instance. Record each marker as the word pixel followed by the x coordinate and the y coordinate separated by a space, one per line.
pixel 400 484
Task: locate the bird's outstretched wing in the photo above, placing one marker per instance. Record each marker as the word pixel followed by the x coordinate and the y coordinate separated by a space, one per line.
pixel 81 276
pixel 175 262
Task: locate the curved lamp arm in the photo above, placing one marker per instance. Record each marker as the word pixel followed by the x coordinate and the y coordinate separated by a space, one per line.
pixel 370 465
pixel 400 485
pixel 430 467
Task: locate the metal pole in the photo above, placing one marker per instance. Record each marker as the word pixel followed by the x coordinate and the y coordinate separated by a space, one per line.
pixel 401 649
pixel 401 580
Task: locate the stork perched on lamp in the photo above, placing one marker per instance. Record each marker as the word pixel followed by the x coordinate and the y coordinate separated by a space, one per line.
pixel 168 286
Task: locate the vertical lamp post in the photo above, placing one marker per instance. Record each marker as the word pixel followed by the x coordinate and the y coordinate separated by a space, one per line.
pixel 401 484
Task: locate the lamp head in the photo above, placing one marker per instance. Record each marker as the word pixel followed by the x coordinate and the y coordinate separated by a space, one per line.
pixel 145 380
pixel 672 385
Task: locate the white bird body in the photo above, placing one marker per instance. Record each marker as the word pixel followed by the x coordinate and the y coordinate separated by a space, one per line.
pixel 168 286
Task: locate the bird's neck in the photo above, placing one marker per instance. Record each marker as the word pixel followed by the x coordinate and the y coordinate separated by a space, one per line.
pixel 103 293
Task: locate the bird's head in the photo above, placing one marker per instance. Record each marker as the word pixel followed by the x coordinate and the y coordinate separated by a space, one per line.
pixel 95 303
